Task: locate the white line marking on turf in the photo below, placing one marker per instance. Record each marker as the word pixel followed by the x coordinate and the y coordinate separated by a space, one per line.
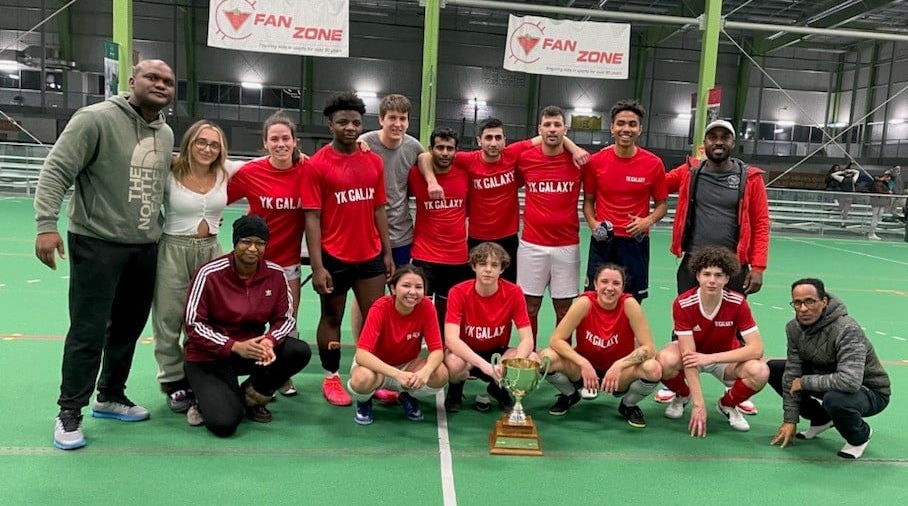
pixel 899 338
pixel 819 245
pixel 64 277
pixel 2 285
pixel 449 494
pixel 33 281
pixel 663 288
pixel 779 308
pixel 757 303
pixel 879 333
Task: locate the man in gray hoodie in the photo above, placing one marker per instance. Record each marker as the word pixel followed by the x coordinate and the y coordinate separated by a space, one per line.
pixel 117 153
pixel 832 361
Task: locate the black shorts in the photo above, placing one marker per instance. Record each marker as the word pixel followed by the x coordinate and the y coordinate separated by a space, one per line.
pixel 441 277
pixel 510 244
pixel 344 274
pixel 632 253
pixel 487 356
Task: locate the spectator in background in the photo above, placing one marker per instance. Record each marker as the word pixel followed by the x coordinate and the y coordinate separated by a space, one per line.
pixel 831 184
pixel 847 179
pixel 879 204
pixel 897 186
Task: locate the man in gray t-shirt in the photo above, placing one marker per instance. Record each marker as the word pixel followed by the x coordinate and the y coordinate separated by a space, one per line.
pixel 398 151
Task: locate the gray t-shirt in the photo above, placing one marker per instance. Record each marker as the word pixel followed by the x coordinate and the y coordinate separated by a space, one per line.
pixel 397 164
pixel 716 209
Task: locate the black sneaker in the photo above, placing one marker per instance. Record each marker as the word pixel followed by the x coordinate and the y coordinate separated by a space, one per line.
pixel 482 403
pixel 454 398
pixel 563 403
pixel 633 415
pixel 501 395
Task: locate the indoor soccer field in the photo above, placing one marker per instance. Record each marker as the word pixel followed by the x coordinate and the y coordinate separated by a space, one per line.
pixel 313 453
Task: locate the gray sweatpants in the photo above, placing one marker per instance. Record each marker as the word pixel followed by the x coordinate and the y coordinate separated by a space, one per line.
pixel 178 260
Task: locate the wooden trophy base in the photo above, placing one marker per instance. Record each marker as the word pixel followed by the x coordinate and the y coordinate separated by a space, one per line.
pixel 506 439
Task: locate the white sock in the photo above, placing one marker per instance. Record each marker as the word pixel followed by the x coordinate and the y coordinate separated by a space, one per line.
pixel 561 382
pixel 637 390
pixel 358 397
pixel 424 392
pixel 850 451
pixel 329 374
pixel 814 431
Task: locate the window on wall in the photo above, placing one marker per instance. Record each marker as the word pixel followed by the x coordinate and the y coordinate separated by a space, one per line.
pixel 6 81
pixel 53 81
pixel 286 98
pixel 182 90
pixel 801 133
pixel 251 96
pixel 208 93
pixel 30 79
pixel 229 94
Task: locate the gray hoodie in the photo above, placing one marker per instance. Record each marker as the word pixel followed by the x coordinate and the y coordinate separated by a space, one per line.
pixel 119 163
pixel 831 354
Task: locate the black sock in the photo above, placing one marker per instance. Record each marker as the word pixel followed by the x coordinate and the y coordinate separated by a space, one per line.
pixel 330 359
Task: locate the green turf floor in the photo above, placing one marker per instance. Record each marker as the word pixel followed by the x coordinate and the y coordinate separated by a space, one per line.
pixel 313 453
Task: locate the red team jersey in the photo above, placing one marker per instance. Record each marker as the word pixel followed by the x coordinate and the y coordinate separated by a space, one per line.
pixel 552 191
pixel 603 336
pixel 275 195
pixel 440 233
pixel 485 322
pixel 493 208
pixel 717 332
pixel 395 338
pixel 347 189
pixel 624 186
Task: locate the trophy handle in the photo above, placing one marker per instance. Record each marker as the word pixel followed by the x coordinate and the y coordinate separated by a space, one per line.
pixel 546 362
pixel 496 360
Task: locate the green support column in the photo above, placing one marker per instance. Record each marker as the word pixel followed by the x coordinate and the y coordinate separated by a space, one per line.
pixel 742 85
pixel 429 90
pixel 837 92
pixel 533 84
pixel 189 40
pixel 122 35
pixel 709 56
pixel 65 32
pixel 308 87
pixel 871 92
pixel 643 56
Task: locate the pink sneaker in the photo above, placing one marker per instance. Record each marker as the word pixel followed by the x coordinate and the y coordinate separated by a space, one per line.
pixel 334 392
pixel 385 396
pixel 664 396
pixel 748 408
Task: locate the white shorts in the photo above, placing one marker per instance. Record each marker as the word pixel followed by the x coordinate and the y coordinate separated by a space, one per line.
pixel 717 370
pixel 555 267
pixel 292 272
pixel 389 382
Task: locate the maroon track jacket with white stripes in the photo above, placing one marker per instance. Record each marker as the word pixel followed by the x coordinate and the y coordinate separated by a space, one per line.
pixel 223 309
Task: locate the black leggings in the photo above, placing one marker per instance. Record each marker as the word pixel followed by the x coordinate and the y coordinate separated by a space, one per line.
pixel 218 392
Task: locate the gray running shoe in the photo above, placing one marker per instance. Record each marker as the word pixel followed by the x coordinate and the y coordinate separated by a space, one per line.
pixel 68 430
pixel 118 408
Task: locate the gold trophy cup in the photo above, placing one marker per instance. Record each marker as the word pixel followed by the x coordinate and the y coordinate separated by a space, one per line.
pixel 515 433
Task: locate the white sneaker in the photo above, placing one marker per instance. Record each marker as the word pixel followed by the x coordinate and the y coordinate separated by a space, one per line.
pixel 813 431
pixel 850 451
pixel 664 396
pixel 586 393
pixel 735 418
pixel 68 430
pixel 194 416
pixel 675 408
pixel 873 237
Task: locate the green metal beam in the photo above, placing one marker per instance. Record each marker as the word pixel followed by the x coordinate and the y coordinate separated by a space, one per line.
pixel 870 96
pixel 122 35
pixel 309 88
pixel 189 41
pixel 644 54
pixel 837 92
pixel 533 84
pixel 742 85
pixel 833 20
pixel 429 71
pixel 709 55
pixel 65 32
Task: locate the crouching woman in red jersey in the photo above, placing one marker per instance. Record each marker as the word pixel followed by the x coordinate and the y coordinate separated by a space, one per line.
pixel 230 301
pixel 614 351
pixel 478 325
pixel 387 354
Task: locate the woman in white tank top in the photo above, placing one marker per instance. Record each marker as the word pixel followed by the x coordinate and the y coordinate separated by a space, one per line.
pixel 195 195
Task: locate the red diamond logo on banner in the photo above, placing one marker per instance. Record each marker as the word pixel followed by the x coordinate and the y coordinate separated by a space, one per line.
pixel 527 42
pixel 237 18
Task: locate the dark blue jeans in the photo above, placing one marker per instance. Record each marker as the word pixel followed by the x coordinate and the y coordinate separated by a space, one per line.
pixel 847 410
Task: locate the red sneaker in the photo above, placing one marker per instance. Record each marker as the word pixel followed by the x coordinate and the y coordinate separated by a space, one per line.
pixel 385 396
pixel 334 392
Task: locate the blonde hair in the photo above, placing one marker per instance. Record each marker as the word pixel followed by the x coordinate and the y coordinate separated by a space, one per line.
pixel 183 162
